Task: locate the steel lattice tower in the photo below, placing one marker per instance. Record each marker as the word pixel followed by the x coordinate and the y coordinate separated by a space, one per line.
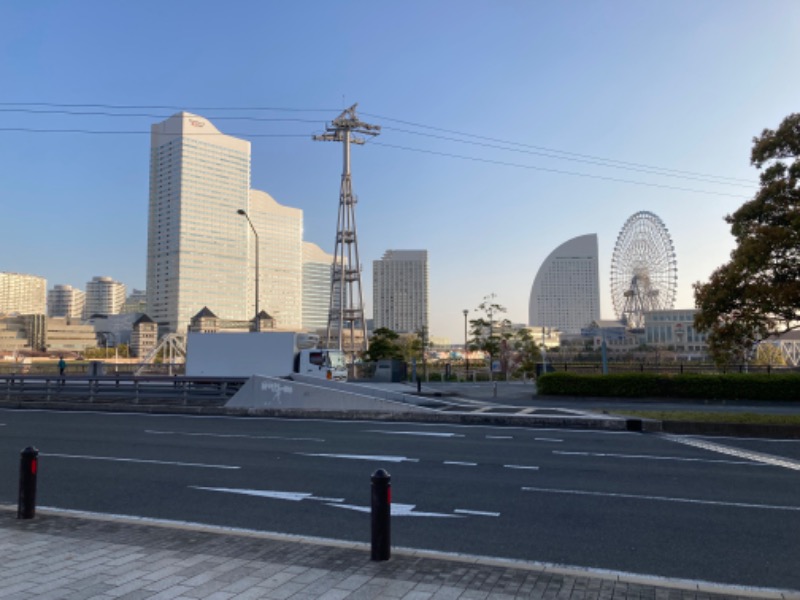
pixel 346 306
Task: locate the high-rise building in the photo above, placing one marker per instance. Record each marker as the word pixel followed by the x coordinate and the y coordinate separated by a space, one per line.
pixel 280 236
pixel 317 269
pixel 23 294
pixel 566 291
pixel 104 296
pixel 197 244
pixel 66 301
pixel 136 302
pixel 400 290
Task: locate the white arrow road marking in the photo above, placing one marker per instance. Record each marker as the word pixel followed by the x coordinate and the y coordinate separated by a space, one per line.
pixel 140 460
pixel 424 433
pixel 749 463
pixel 663 499
pixel 479 513
pixel 235 435
pixel 275 495
pixel 378 458
pixel 398 510
pixel 532 468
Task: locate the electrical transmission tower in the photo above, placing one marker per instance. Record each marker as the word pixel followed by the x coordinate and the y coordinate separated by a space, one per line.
pixel 346 306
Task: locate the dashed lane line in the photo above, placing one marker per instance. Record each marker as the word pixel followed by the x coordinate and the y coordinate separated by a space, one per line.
pixel 138 460
pixel 234 435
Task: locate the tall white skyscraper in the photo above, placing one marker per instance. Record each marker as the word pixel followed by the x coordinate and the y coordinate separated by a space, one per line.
pixel 317 268
pixel 66 301
pixel 400 290
pixel 23 294
pixel 566 291
pixel 280 235
pixel 197 244
pixel 104 296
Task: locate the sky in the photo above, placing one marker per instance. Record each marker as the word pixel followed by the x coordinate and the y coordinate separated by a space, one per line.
pixel 500 121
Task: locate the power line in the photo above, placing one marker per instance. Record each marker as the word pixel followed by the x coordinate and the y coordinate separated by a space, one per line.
pixel 169 107
pixel 137 132
pixel 559 171
pixel 153 116
pixel 599 162
pixel 554 150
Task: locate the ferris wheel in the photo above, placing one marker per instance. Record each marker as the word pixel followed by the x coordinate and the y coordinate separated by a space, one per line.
pixel 644 269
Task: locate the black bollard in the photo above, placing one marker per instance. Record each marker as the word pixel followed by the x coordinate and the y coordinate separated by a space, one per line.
pixel 28 467
pixel 381 515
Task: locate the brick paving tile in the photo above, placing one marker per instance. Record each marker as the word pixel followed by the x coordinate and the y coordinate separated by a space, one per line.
pixel 69 558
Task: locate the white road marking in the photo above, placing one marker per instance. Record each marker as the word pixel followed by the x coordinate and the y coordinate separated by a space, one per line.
pixel 662 499
pixel 139 460
pixel 377 458
pixel 749 463
pixel 398 510
pixel 521 467
pixel 461 464
pixel 499 437
pixel 767 459
pixel 235 435
pixel 275 495
pixel 547 440
pixel 423 433
pixel 479 513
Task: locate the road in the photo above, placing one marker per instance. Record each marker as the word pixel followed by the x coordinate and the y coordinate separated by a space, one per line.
pixel 640 503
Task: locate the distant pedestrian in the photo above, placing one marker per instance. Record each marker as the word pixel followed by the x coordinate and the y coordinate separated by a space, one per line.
pixel 62 366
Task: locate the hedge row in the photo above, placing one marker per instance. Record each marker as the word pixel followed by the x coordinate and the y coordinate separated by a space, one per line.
pixel 648 385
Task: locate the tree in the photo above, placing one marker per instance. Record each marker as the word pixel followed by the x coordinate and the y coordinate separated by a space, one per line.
pixel 528 353
pixel 757 293
pixel 489 334
pixel 383 345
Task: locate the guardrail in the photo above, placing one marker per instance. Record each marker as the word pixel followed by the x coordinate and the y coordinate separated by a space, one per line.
pixel 201 391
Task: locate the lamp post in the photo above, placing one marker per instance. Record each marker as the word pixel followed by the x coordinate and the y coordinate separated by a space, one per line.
pixel 241 211
pixel 466 348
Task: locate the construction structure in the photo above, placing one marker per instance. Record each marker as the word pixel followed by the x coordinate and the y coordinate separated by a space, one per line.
pixel 346 306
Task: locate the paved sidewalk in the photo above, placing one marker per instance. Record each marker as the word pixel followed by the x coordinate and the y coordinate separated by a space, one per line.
pixel 67 557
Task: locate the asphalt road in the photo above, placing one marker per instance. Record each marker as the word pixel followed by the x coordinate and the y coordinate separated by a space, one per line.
pixel 640 503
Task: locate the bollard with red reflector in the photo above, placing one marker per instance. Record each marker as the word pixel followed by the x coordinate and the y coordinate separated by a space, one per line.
pixel 381 515
pixel 28 468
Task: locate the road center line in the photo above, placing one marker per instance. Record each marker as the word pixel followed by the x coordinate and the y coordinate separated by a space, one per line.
pixel 521 467
pixel 499 437
pixel 461 464
pixel 139 460
pixel 547 440
pixel 662 499
pixel 653 457
pixel 235 435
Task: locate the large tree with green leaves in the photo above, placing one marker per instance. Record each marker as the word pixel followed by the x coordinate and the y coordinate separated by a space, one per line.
pixel 490 333
pixel 383 344
pixel 757 293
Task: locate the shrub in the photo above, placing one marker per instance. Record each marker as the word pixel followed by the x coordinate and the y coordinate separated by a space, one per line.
pixel 647 385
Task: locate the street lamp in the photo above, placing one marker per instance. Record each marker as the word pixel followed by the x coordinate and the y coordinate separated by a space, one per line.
pixel 466 348
pixel 242 212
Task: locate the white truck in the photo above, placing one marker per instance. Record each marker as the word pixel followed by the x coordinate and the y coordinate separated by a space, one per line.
pixel 275 354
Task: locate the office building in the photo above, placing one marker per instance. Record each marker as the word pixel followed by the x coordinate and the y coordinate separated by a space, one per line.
pixel 566 291
pixel 280 236
pixel 317 268
pixel 104 296
pixel 136 302
pixel 66 301
pixel 400 290
pixel 197 244
pixel 22 294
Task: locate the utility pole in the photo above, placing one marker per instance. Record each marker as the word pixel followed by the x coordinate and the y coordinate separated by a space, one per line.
pixel 346 306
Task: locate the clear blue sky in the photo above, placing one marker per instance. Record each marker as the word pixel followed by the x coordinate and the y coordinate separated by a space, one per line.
pixel 676 84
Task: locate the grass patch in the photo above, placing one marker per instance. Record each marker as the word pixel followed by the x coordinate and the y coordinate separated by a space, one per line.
pixel 713 417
